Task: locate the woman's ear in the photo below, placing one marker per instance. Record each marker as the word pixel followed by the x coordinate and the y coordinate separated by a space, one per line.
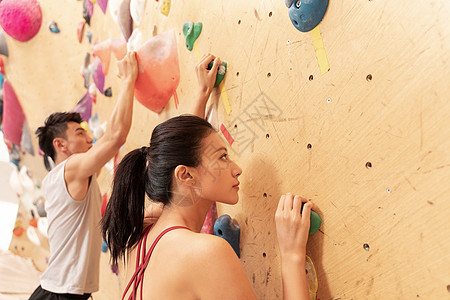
pixel 183 175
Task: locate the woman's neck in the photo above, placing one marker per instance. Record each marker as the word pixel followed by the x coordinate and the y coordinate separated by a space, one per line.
pixel 192 215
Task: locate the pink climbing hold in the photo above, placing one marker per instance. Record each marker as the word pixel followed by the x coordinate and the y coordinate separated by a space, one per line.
pixel 211 217
pixel 104 203
pixel 103 51
pixel 21 19
pixel 103 4
pixel 119 48
pixel 159 72
pixel 13 116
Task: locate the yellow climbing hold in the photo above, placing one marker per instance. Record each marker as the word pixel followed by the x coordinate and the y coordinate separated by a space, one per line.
pixel 165 7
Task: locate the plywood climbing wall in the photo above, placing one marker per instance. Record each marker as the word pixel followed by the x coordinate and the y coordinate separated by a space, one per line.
pixel 368 141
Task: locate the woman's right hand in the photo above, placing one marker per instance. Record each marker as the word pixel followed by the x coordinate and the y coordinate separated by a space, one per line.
pixel 292 226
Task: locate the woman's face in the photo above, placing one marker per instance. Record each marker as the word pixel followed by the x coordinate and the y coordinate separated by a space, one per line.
pixel 217 174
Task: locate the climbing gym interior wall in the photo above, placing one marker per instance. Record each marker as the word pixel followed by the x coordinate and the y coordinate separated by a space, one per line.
pixel 359 124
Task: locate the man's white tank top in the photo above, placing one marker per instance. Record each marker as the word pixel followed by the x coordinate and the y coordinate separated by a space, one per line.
pixel 74 236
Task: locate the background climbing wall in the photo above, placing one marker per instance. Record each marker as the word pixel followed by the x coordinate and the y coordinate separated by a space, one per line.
pixel 367 141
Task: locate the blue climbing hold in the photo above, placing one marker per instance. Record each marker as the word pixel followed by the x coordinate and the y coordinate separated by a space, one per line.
pixel 226 229
pixel 305 15
pixel 53 27
pixel 104 247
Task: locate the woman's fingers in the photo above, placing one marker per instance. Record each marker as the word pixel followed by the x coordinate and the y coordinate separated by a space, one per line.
pixel 297 206
pixel 288 203
pixel 280 207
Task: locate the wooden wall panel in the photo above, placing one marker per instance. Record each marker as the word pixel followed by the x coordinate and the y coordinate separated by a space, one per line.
pixel 398 121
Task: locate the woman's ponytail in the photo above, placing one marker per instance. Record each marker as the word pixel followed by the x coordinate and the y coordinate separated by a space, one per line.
pixel 122 223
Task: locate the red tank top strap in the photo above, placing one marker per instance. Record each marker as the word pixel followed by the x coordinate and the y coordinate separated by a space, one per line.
pixel 138 276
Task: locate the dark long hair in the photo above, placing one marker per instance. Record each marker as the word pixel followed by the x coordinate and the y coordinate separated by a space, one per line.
pixel 149 170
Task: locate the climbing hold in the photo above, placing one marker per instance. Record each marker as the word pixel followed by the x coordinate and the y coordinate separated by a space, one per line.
pixel 104 247
pixel 135 40
pixel 220 71
pixel 191 32
pixel 86 14
pixel 33 222
pixel 26 142
pixel 18 231
pixel 315 221
pixel 43 226
pixel 165 7
pixel 108 92
pixel 2 66
pixel 311 276
pixel 13 116
pixel 104 202
pixel 84 107
pixel 103 4
pixel 103 52
pixel 211 217
pixel 90 8
pixel 3 45
pixel 89 36
pixel 85 70
pixel 306 15
pixel 119 48
pixel 21 19
pixel 80 31
pixel 125 20
pixel 137 8
pixel 114 6
pixel 115 269
pixel 159 72
pixel 226 229
pixel 92 90
pixel 97 74
pixel 53 27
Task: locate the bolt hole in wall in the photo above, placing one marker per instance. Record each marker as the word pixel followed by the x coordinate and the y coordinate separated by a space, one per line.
pixel 237 73
pixel 264 254
pixel 270 14
pixel 239 22
pixel 366 247
pixel 311 78
pixel 309 146
pixel 268 75
pixel 369 77
pixel 267 136
pixel 265 195
pixel 368 165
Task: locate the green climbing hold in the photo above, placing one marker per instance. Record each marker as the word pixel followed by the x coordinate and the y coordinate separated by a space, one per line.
pixel 220 72
pixel 315 221
pixel 191 33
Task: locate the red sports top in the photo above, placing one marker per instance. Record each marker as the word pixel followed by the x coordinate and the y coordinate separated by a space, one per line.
pixel 138 276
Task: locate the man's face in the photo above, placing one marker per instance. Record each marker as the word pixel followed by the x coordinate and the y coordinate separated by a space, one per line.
pixel 77 139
